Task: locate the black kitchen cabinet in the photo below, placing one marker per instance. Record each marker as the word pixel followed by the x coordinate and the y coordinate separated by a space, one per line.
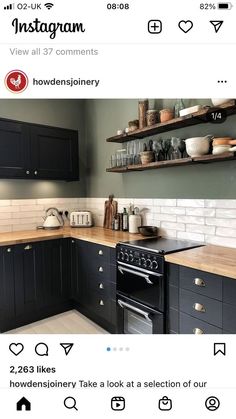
pixel 56 272
pixel 54 153
pixel 28 280
pixel 7 306
pixel 32 151
pixel 14 149
pixel 94 282
pixel 200 302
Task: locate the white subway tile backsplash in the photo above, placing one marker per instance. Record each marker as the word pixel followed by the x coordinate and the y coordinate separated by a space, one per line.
pixel 226 232
pixel 189 219
pixel 201 229
pixel 221 241
pixel 226 213
pixel 220 203
pixel 212 221
pixel 190 236
pixel 190 203
pixel 201 212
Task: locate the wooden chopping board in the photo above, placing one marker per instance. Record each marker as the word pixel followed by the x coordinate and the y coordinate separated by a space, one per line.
pixel 110 211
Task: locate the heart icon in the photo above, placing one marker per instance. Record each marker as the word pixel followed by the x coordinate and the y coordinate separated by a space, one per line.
pixel 185 25
pixel 16 348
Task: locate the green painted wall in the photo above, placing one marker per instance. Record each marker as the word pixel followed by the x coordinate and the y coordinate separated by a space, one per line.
pixel 104 117
pixel 60 113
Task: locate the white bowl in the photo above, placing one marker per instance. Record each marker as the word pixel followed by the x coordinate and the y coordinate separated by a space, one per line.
pixel 197 146
pixel 221 149
pixel 218 102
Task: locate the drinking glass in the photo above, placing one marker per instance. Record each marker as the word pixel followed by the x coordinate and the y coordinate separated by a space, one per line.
pixel 175 153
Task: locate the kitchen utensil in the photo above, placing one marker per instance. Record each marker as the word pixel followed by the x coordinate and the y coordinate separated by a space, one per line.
pixel 190 111
pixel 218 102
pixel 110 211
pixel 198 146
pixel 53 219
pixel 81 219
pixel 148 230
pixel 166 115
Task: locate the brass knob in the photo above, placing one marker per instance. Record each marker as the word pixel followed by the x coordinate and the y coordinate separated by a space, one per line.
pixel 100 252
pixel 101 286
pixel 27 172
pixel 199 307
pixel 35 172
pixel 9 250
pixel 72 241
pixel 101 303
pixel 199 282
pixel 100 269
pixel 198 331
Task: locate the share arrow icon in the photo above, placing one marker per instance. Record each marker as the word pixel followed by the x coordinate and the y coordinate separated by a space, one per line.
pixel 67 347
pixel 217 24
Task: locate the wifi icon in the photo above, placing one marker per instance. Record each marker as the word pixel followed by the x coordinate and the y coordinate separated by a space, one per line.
pixel 49 5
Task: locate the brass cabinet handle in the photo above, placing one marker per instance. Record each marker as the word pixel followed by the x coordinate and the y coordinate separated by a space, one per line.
pixel 100 252
pixel 35 172
pixel 28 247
pixel 198 331
pixel 100 269
pixel 199 282
pixel 101 286
pixel 199 307
pixel 101 302
pixel 27 172
pixel 72 241
pixel 9 250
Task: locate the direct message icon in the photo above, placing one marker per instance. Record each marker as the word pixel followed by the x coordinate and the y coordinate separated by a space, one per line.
pixel 165 403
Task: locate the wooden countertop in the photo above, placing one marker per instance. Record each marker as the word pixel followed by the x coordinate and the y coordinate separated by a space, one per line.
pixel 214 259
pixel 95 235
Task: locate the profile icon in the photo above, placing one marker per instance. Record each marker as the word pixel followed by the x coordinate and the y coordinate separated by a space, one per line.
pixel 16 81
pixel 212 403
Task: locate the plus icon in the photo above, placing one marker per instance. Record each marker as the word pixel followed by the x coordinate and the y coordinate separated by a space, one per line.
pixel 155 26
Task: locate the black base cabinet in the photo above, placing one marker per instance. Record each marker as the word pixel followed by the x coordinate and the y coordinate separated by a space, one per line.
pixel 7 306
pixel 200 302
pixel 94 282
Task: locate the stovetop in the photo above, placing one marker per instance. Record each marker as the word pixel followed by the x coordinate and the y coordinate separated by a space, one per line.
pixel 161 245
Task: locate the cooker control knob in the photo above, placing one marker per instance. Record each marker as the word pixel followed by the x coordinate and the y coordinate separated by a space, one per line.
pixel 143 262
pixel 126 257
pixel 154 264
pixel 121 256
pixel 148 263
pixel 131 257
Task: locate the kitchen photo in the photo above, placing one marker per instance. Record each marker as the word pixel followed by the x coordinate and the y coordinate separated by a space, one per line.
pixel 118 216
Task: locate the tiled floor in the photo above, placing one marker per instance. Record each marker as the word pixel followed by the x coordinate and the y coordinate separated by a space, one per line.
pixel 68 322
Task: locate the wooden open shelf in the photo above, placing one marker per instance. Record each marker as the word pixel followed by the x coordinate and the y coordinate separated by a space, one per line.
pixel 182 122
pixel 209 158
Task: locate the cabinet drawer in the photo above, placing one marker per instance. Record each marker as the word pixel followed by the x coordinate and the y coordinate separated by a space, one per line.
pixel 100 305
pixel 201 307
pixel 100 270
pixel 229 291
pixel 190 325
pixel 229 318
pixel 95 252
pixel 201 282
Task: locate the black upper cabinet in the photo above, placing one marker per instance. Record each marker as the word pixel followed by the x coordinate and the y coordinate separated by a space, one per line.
pixel 31 151
pixel 14 149
pixel 54 153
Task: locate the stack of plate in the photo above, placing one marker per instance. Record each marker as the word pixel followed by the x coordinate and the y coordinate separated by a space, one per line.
pixel 223 145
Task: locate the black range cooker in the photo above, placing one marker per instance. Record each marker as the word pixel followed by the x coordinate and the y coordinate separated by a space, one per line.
pixel 141 283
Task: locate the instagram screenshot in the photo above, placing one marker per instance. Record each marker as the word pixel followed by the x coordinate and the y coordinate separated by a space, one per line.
pixel 117 209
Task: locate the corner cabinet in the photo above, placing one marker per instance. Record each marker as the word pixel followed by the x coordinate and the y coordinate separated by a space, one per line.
pixel 30 151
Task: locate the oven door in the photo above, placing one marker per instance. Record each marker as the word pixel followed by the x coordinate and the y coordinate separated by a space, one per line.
pixel 141 285
pixel 135 318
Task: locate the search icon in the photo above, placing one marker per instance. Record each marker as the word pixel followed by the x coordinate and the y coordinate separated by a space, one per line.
pixel 70 403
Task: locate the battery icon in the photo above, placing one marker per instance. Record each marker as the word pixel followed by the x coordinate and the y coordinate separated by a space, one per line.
pixel 227 6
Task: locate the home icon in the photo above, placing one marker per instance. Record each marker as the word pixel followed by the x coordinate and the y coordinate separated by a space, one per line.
pixel 23 404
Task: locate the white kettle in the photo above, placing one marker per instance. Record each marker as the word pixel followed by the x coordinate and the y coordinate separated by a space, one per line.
pixel 53 219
